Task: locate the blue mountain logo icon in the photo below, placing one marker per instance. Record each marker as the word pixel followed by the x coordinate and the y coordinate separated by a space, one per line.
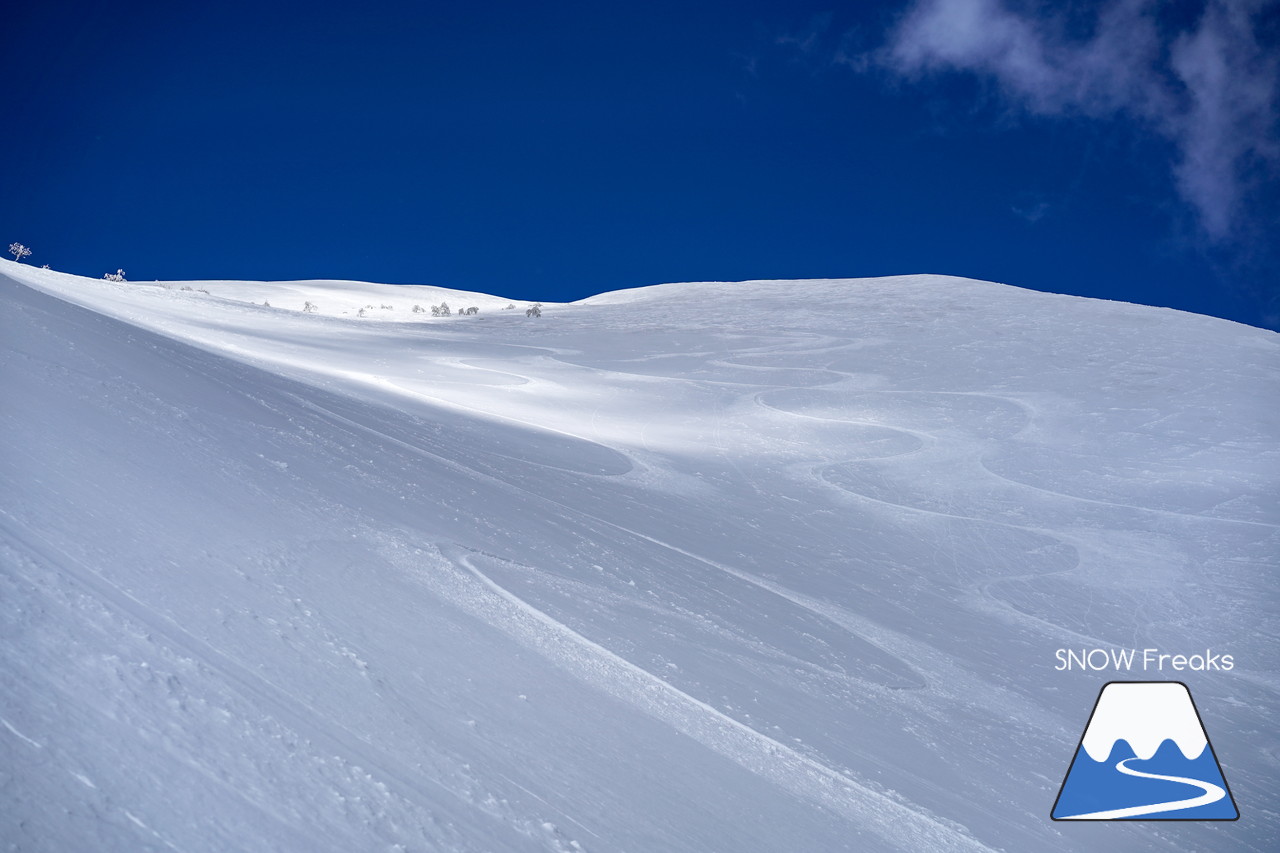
pixel 1144 755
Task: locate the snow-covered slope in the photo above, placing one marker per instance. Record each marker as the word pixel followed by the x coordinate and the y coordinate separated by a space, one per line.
pixel 765 566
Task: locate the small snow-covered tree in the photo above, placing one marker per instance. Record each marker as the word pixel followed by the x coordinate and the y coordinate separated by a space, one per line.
pixel 472 310
pixel 435 310
pixel 360 313
pixel 418 309
pixel 44 266
pixel 309 308
pixel 18 251
pixel 118 275
pixel 387 307
pixel 444 309
pixel 510 305
pixel 266 303
pixel 533 310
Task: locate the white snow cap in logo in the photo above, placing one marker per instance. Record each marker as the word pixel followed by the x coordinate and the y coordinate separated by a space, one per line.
pixel 1144 713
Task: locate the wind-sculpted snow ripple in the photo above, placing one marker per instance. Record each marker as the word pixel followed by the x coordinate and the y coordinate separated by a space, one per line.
pixel 704 367
pixel 478 440
pixel 1229 492
pixel 851 436
pixel 975 415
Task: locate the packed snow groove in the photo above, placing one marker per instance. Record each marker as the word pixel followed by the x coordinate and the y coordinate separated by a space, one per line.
pixel 751 566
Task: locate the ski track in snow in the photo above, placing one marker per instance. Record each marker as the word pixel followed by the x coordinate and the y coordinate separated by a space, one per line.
pixel 894 822
pixel 8 725
pixel 930 443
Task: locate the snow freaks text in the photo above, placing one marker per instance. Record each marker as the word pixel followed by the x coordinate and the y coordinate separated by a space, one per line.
pixel 1144 660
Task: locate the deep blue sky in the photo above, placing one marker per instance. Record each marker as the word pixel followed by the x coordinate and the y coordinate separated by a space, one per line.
pixel 555 150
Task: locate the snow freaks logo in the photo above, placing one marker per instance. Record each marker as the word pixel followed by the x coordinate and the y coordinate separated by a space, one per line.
pixel 1144 755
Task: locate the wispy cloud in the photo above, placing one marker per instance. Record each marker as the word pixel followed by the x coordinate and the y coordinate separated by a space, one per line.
pixel 1033 213
pixel 1209 89
pixel 808 39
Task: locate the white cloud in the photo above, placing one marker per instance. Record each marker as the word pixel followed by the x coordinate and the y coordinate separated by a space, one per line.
pixel 1211 90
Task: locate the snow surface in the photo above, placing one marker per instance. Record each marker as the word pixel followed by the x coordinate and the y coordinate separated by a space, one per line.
pixel 1145 715
pixel 764 566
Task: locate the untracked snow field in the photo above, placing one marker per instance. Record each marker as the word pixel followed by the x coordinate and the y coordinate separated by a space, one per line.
pixel 763 566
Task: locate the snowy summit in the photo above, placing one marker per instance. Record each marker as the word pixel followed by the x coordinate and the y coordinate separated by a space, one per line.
pixel 756 566
pixel 1144 715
